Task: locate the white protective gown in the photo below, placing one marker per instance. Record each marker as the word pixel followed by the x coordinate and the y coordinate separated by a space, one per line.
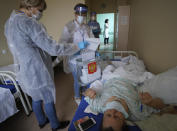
pixel 31 47
pixel 74 33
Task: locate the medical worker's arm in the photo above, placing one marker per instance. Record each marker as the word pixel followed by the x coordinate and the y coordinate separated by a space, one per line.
pixel 65 36
pixel 41 38
pixel 94 100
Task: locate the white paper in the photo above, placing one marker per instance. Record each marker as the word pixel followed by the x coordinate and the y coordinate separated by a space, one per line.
pixel 87 55
pixel 93 43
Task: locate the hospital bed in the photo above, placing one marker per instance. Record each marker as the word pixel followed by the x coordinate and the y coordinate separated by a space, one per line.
pixel 104 59
pixel 98 118
pixel 155 122
pixel 8 81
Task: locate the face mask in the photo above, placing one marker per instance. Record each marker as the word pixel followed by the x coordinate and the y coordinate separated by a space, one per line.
pixel 117 106
pixel 81 19
pixel 37 16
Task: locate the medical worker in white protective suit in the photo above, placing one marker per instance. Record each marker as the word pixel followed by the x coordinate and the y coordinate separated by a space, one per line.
pixel 76 31
pixel 31 47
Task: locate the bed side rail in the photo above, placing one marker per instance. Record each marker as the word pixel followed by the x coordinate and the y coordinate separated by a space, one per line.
pixel 116 55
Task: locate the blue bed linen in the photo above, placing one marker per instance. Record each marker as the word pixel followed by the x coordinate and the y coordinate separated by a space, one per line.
pixel 98 118
pixel 80 114
pixel 10 87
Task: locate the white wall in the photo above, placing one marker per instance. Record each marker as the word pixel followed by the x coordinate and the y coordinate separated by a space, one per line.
pixel 6 7
pixel 102 6
pixel 58 13
pixel 123 27
pixel 153 32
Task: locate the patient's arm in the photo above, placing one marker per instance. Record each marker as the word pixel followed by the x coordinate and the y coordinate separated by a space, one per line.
pixel 94 100
pixel 90 93
pixel 170 109
pixel 147 99
pixel 156 103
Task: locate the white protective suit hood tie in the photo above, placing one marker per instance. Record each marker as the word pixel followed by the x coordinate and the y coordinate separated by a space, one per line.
pixel 37 16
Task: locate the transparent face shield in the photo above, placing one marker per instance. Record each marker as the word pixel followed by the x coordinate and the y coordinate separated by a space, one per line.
pixel 81 15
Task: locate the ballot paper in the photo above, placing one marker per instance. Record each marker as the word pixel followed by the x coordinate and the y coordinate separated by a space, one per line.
pixel 87 55
pixel 93 43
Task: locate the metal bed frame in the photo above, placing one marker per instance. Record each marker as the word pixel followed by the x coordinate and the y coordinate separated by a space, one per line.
pixel 11 76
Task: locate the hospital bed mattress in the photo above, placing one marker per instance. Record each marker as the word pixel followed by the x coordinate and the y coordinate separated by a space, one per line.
pixel 10 87
pixel 8 106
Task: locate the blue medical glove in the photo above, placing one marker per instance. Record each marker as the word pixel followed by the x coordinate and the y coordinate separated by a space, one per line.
pixel 97 54
pixel 83 44
pixel 86 43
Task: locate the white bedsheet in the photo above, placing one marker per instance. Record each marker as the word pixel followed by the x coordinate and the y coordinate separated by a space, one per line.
pixel 93 43
pixel 163 85
pixel 8 106
pixel 129 68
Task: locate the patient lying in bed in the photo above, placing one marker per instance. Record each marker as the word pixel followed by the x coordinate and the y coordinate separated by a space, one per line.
pixel 119 99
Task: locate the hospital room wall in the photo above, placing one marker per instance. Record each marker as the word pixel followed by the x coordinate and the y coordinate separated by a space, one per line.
pixel 6 7
pixel 153 29
pixel 58 13
pixel 102 6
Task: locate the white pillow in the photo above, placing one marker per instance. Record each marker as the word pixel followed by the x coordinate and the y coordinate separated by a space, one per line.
pixel 163 86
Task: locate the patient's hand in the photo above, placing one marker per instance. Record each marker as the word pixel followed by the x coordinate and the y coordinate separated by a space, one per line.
pixel 157 103
pixel 90 93
pixel 145 97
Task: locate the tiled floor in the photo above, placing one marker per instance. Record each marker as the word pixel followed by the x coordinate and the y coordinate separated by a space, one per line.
pixel 108 47
pixel 65 106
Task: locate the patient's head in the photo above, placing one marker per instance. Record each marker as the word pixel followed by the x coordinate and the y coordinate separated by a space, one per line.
pixel 113 120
